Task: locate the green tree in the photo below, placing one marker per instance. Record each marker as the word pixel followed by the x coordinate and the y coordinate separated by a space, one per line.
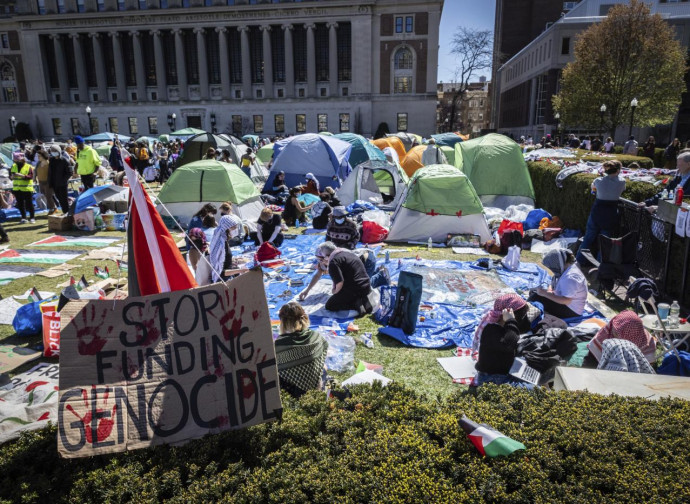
pixel 630 54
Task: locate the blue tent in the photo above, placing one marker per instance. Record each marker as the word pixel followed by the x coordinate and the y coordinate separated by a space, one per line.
pixel 446 139
pixel 93 196
pixel 324 156
pixel 362 149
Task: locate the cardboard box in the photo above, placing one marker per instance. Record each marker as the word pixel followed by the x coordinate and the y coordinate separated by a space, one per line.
pixel 60 222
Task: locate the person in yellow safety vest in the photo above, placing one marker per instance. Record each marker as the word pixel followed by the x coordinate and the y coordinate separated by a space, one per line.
pixel 88 162
pixel 22 174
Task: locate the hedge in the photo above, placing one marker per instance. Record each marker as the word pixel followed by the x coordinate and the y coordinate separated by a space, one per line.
pixel 574 202
pixel 388 445
pixel 659 159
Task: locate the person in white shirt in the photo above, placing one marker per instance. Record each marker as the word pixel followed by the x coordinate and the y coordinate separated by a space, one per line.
pixel 630 147
pixel 609 145
pixel 567 296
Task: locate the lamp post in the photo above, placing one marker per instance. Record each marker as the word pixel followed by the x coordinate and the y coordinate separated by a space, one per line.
pixel 88 113
pixel 13 124
pixel 213 123
pixel 171 121
pixel 602 111
pixel 557 117
pixel 633 106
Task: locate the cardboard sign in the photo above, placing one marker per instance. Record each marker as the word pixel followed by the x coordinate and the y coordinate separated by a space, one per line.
pixel 165 368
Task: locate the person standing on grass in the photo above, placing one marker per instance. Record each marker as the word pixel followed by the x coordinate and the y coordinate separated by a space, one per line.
pixel 42 175
pixel 59 173
pixel 609 145
pixel 88 161
pixel 22 175
pixel 630 147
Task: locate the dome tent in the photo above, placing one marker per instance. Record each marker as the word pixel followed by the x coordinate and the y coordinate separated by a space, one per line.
pixel 496 167
pixel 195 147
pixel 377 182
pixel 409 140
pixel 257 172
pixel 394 143
pixel 439 200
pixel 422 155
pixel 208 181
pixel 265 153
pixel 325 157
pixel 362 150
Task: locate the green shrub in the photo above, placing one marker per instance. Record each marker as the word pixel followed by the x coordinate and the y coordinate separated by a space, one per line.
pixel 388 445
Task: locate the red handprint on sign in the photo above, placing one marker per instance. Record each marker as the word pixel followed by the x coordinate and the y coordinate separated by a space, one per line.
pixel 230 326
pixel 104 426
pixel 89 338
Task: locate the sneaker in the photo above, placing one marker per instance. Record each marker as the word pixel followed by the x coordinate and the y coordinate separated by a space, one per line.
pixel 33 221
pixel 23 221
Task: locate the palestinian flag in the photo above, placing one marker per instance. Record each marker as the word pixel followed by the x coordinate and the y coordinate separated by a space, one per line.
pixel 39 256
pixel 81 285
pixel 75 241
pixel 34 295
pixel 101 273
pixel 488 441
pixel 122 265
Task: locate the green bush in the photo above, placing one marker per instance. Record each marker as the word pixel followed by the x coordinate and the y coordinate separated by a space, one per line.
pixel 388 445
pixel 574 202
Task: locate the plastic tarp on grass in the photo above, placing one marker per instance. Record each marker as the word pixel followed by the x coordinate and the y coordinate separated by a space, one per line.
pixel 208 181
pixel 496 167
pixel 422 155
pixel 439 200
pixel 377 182
pixel 362 150
pixel 323 156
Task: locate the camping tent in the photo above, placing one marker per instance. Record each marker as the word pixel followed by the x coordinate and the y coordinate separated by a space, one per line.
pixel 422 155
pixel 447 139
pixel 409 140
pixel 250 140
pixel 195 147
pixel 439 200
pixel 362 150
pixel 185 133
pixel 208 181
pixel 257 171
pixel 378 182
pixel 496 167
pixel 324 156
pixel 107 136
pixel 265 153
pixel 449 152
pixel 98 194
pixel 394 143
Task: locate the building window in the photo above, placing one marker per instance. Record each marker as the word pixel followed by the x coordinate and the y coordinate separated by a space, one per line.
pixel 403 68
pixel 114 127
pixel 409 24
pixel 133 127
pixel 322 91
pixel 403 59
pixel 235 53
pixel 322 121
pixel 279 121
pixel 61 6
pixel 346 91
pixel 5 41
pixel 129 61
pixel 299 49
pixel 238 94
pixel 149 61
pixel 76 130
pixel 80 6
pixel 121 5
pixel 164 4
pixel 281 93
pixel 301 122
pixel 258 124
pixel 168 41
pixel 344 120
pixel 100 5
pixel 153 125
pixel 403 84
pixel 344 52
pixel 41 6
pixel 8 83
pixel 57 126
pixel 191 57
pixel 300 93
pixel 237 125
pixel 256 54
pixel 398 24
pixel 94 126
pixel 259 93
pixel 321 43
pixel 565 45
pixel 540 103
pixel 278 52
pixel 402 121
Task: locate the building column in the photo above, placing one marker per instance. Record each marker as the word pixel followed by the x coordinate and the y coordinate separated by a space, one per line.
pixel 139 69
pixel 224 62
pixel 61 69
pixel 159 57
pixel 333 58
pixel 203 63
pixel 268 62
pixel 246 64
pixel 82 82
pixel 119 67
pixel 289 63
pixel 311 61
pixel 102 81
pixel 180 64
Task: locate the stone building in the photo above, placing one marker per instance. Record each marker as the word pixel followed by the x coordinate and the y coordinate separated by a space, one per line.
pixel 244 66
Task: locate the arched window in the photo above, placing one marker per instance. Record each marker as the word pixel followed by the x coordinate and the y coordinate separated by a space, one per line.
pixel 403 70
pixel 8 83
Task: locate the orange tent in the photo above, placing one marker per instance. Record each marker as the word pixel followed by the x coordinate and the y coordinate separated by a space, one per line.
pixel 393 142
pixel 422 155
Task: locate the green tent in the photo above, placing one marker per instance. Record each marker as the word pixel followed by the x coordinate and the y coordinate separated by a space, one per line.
pixel 496 167
pixel 362 149
pixel 103 149
pixel 449 152
pixel 265 153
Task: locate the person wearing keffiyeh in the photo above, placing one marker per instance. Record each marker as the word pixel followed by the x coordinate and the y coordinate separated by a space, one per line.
pixel 492 316
pixel 626 326
pixel 220 254
pixel 622 355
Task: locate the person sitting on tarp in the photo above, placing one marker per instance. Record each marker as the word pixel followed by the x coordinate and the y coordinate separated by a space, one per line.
pixel 268 228
pixel 334 202
pixel 377 276
pixel 300 352
pixel 294 209
pixel 341 230
pixel 278 187
pixel 351 284
pixel 220 254
pixel 497 337
pixel 624 326
pixel 312 186
pixel 321 212
pixel 567 295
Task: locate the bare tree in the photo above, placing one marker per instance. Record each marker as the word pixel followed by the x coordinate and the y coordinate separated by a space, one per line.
pixel 473 50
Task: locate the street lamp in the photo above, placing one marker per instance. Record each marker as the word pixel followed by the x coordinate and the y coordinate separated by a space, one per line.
pixel 213 123
pixel 633 106
pixel 13 124
pixel 557 116
pixel 602 111
pixel 171 121
pixel 88 113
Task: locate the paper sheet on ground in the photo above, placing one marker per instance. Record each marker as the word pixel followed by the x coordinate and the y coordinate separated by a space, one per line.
pixel 366 377
pixel 542 247
pixel 29 401
pixel 458 367
pixel 39 256
pixel 9 273
pixel 470 250
pixel 57 271
pixel 75 241
pixel 112 253
pixel 12 356
pixel 8 309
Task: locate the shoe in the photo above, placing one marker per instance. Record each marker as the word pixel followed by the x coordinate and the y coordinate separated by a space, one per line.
pixel 23 221
pixel 33 221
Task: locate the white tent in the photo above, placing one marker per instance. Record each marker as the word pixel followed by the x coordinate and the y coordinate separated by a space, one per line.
pixel 377 182
pixel 439 200
pixel 257 171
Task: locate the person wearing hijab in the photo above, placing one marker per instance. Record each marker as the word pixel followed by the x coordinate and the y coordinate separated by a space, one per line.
pixel 567 295
pixel 220 254
pixel 312 186
pixel 625 326
pixel 22 174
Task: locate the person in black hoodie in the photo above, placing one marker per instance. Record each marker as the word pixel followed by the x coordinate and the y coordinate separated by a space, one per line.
pixel 59 173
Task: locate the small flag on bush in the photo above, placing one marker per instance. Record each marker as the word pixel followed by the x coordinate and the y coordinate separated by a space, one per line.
pixel 488 441
pixel 101 273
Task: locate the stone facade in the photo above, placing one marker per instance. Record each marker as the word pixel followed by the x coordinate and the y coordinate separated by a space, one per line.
pixel 248 67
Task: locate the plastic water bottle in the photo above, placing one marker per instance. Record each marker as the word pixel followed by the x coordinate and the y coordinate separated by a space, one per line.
pixel 664 194
pixel 429 243
pixel 674 315
pixel 388 256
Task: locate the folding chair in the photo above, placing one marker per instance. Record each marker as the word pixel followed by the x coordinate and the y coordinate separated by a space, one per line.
pixel 618 261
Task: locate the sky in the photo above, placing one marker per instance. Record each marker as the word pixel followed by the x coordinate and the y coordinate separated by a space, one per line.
pixel 477 14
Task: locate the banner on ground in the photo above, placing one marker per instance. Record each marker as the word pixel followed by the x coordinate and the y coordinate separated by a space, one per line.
pixel 165 368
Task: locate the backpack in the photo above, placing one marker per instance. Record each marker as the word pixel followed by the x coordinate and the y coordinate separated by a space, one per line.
pixel 409 294
pixel 267 252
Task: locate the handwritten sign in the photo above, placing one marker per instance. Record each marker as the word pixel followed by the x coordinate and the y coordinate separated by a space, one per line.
pixel 165 368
